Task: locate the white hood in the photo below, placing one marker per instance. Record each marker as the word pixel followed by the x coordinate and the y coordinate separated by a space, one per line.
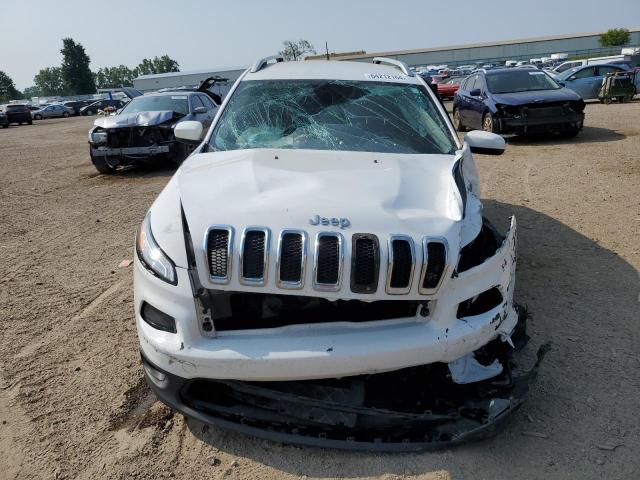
pixel 134 119
pixel 382 194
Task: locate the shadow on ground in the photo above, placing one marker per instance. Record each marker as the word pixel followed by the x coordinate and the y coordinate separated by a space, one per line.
pixel 571 286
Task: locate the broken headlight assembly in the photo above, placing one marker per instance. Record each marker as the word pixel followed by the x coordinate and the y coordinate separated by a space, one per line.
pixel 508 110
pixel 98 136
pixel 152 256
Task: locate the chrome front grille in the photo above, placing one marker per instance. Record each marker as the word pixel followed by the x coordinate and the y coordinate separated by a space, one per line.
pixel 326 253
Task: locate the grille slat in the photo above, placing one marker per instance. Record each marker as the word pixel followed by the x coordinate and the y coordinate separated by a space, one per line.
pixel 253 255
pixel 291 259
pixel 365 263
pixel 218 255
pixel 435 263
pixel 401 264
pixel 328 266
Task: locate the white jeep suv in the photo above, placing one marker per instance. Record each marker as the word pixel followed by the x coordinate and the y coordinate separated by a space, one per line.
pixel 319 270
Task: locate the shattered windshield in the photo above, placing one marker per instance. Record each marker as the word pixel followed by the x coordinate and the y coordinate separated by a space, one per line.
pixel 520 81
pixel 332 115
pixel 158 103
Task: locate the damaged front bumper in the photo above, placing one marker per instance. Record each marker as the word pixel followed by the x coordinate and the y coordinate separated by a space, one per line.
pixel 523 124
pixel 412 409
pixel 130 151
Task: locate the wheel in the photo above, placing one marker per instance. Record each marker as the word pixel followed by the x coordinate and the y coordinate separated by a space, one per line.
pixel 6 125
pixel 101 165
pixel 182 152
pixel 487 123
pixel 65 114
pixel 30 122
pixel 607 101
pixel 88 112
pixel 38 117
pixel 457 121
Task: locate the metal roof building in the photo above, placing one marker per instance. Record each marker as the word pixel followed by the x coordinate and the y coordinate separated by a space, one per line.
pixel 521 49
pixel 148 83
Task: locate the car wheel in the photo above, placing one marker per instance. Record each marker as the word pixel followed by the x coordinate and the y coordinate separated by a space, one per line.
pixel 487 123
pixel 181 154
pixel 457 121
pixel 30 122
pixel 65 114
pixel 38 117
pixel 5 125
pixel 101 165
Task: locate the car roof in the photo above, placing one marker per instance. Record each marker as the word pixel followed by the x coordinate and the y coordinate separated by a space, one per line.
pixel 331 70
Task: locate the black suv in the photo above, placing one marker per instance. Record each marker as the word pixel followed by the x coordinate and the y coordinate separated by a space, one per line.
pixel 3 120
pixel 76 105
pixel 17 113
pixel 93 108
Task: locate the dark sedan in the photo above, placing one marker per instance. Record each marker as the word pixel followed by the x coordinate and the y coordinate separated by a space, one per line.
pixel 516 101
pixel 17 113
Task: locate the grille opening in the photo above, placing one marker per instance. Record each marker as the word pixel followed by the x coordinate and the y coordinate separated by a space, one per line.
pixel 365 262
pixel 249 310
pixel 253 255
pixel 481 248
pixel 436 263
pixel 328 261
pixel 217 249
pixel 482 303
pixel 291 257
pixel 402 264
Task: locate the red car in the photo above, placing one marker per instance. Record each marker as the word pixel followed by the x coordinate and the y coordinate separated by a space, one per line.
pixel 446 89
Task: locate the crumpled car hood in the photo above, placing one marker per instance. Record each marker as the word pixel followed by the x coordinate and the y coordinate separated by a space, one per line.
pixel 378 193
pixel 135 119
pixel 540 96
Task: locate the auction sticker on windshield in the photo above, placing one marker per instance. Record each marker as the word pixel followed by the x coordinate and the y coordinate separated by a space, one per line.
pixel 388 77
pixel 178 97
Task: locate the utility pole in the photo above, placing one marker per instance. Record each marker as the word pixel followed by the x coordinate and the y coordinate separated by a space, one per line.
pixel 326 46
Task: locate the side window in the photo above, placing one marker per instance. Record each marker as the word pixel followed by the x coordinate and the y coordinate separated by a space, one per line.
pixel 472 83
pixel 208 103
pixel 480 83
pixel 604 69
pixel 585 73
pixel 196 102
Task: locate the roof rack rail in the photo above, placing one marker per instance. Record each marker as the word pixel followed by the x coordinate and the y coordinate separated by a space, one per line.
pixel 396 63
pixel 260 64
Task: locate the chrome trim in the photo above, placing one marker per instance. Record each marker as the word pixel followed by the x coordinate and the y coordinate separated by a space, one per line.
pixel 256 282
pixel 403 67
pixel 260 63
pixel 407 289
pixel 216 278
pixel 303 261
pixel 328 287
pixel 425 264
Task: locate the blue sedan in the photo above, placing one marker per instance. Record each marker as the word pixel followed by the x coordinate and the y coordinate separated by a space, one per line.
pixel 587 80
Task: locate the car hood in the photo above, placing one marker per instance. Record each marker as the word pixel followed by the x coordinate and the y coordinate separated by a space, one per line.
pixel 539 96
pixel 134 119
pixel 377 193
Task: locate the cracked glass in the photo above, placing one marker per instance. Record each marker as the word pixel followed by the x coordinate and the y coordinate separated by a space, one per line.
pixel 332 115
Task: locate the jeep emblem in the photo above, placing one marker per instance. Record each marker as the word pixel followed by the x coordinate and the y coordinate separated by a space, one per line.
pixel 333 221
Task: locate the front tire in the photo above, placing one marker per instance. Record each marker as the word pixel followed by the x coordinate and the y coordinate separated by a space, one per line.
pixel 38 117
pixel 457 121
pixel 487 123
pixel 102 166
pixel 65 114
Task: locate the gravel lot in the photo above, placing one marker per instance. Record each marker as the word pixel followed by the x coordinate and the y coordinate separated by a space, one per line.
pixel 73 403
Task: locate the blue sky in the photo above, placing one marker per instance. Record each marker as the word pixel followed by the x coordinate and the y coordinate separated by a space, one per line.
pixel 203 34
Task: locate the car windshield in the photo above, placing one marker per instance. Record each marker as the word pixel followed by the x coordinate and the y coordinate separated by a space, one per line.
pixel 520 81
pixel 157 103
pixel 332 115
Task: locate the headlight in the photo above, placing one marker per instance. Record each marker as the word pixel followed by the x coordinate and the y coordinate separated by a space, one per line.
pixel 152 256
pixel 98 137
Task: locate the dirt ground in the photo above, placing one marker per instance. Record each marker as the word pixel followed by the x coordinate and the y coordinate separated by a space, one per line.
pixel 73 403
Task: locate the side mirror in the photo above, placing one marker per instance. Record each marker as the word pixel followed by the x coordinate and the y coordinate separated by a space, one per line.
pixel 485 142
pixel 562 84
pixel 199 110
pixel 189 132
pixel 475 92
pixel 572 78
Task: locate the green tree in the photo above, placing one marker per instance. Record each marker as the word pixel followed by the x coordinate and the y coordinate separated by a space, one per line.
pixel 163 64
pixel 614 37
pixel 8 90
pixel 31 92
pixel 113 77
pixel 296 50
pixel 76 74
pixel 49 81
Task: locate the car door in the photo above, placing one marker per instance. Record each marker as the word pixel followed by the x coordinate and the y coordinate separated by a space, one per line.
pixel 585 82
pixel 476 104
pixel 49 112
pixel 465 100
